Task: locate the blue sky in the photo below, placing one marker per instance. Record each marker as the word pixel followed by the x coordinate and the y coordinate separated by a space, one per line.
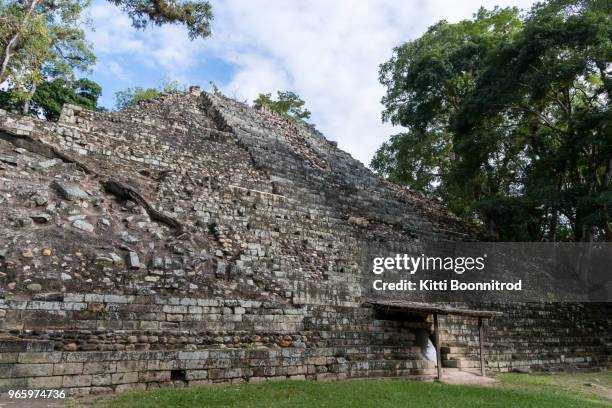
pixel 326 51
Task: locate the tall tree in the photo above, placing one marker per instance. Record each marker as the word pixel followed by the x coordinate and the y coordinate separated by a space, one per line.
pixel 543 103
pixel 427 80
pixel 16 21
pixel 42 39
pixel 287 103
pixel 509 125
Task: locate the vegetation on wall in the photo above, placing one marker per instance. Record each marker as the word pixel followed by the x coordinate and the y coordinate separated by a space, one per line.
pixel 287 104
pixel 131 96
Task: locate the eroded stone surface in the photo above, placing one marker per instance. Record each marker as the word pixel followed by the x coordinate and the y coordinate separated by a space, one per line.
pixel 261 280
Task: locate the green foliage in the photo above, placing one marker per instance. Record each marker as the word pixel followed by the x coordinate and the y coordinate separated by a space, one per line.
pixel 288 104
pixel 131 96
pixel 195 15
pixel 508 120
pixel 427 80
pixel 10 102
pixel 51 96
pixel 43 40
pixel 40 40
pixel 215 89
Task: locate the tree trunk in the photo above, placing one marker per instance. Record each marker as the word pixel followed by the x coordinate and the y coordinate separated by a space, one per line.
pixel 606 185
pixel 6 53
pixel 26 103
pixel 552 230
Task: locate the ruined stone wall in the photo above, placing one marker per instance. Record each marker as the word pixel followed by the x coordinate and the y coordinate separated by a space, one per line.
pixel 261 279
pixel 532 337
pixel 255 269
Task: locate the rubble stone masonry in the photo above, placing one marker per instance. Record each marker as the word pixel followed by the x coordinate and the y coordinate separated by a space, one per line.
pixel 192 239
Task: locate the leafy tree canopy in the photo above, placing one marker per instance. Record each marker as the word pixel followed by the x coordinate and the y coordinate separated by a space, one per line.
pixel 508 120
pixel 131 96
pixel 43 40
pixel 40 40
pixel 195 15
pixel 50 97
pixel 287 103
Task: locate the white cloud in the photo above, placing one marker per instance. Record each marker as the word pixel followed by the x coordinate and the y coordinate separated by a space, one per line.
pixel 117 71
pixel 326 51
pixel 113 32
pixel 166 48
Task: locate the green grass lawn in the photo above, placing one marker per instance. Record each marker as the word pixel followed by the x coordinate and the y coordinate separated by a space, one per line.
pixel 590 386
pixel 513 393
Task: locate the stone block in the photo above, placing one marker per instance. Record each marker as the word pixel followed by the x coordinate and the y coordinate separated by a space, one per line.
pixel 74 297
pixel 99 368
pixel 78 391
pixel 193 355
pixel 80 380
pixel 196 374
pixel 194 364
pixel 6 370
pixel 33 370
pixel 75 306
pixel 174 317
pixel 43 305
pixel 45 382
pixel 130 387
pixel 124 378
pixel 11 346
pixel 13 384
pixel 163 364
pixel 100 379
pixel 68 368
pixel 118 298
pixel 130 365
pixel 196 309
pixel 32 358
pixel 189 302
pixel 175 309
pixel 149 325
pixel 199 383
pixel 8 358
pixel 208 302
pixel 100 390
pixel 154 376
pixel 85 357
pixel 94 298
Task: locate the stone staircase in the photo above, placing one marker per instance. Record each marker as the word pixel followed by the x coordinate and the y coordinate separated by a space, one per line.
pixel 547 337
pixel 459 357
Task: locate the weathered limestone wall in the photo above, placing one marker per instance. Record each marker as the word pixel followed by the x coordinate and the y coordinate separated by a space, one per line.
pixel 532 337
pixel 262 280
pixel 126 342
